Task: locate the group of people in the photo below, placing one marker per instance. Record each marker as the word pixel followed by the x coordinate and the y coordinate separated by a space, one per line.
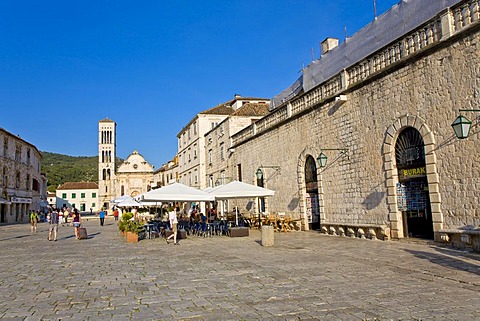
pixel 53 218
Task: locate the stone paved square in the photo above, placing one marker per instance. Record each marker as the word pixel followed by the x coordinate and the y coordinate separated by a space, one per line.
pixel 304 276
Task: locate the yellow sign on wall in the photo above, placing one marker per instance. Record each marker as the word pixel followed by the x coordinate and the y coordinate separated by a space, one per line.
pixel 409 173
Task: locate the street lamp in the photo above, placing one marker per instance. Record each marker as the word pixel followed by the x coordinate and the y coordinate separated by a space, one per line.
pixel 322 158
pixel 259 173
pixel 461 125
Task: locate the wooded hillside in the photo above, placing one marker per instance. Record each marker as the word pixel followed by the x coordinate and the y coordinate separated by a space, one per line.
pixel 62 168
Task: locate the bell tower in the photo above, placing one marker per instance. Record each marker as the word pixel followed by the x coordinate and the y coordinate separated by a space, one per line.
pixel 106 162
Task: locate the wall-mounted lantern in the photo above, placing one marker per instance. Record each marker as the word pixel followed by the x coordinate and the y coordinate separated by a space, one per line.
pixel 322 158
pixel 259 172
pixel 461 125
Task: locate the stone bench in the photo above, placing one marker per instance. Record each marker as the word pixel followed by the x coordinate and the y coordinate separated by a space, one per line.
pixel 462 238
pixel 239 231
pixel 364 231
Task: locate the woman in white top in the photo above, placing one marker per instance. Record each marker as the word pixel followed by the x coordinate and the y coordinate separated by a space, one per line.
pixel 172 217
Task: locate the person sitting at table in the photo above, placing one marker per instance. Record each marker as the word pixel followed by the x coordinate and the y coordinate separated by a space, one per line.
pixel 204 221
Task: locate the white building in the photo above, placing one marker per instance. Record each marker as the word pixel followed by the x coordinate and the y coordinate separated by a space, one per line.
pixel 80 195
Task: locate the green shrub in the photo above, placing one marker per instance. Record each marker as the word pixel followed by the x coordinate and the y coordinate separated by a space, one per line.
pixel 134 227
pixel 123 223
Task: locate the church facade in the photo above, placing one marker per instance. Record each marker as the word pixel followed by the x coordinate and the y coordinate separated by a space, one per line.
pixel 133 177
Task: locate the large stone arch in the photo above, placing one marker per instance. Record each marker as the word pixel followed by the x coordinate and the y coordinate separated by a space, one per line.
pixel 391 173
pixel 302 190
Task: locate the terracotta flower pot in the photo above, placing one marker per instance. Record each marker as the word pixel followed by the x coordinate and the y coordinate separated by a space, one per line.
pixel 132 237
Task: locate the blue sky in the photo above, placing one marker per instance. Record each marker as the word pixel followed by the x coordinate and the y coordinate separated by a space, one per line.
pixel 152 65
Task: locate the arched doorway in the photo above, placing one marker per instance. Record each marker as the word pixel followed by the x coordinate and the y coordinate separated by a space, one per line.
pixel 312 203
pixel 412 188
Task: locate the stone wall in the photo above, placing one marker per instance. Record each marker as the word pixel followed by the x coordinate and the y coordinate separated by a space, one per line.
pixel 423 89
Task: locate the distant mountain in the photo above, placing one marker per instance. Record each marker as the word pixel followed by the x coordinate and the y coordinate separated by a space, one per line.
pixel 63 168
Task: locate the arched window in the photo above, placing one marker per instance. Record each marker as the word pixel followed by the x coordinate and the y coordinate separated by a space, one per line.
pixel 310 170
pixel 409 149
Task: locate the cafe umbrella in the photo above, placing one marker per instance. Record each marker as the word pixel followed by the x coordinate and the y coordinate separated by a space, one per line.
pixel 239 190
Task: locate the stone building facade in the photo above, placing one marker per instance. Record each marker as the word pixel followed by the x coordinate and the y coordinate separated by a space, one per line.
pixel 218 142
pixel 134 176
pixel 23 187
pixel 394 168
pixel 191 140
pixel 166 174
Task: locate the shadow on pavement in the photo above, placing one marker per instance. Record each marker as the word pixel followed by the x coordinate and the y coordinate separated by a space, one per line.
pixel 15 237
pixel 446 260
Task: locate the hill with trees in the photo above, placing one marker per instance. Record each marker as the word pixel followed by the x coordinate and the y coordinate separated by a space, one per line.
pixel 62 168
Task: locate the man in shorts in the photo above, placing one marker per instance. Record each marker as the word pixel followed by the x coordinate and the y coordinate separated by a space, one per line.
pixel 53 230
pixel 33 221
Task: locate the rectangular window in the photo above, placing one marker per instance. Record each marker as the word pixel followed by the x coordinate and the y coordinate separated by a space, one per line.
pixel 4 177
pixel 82 195
pixel 74 195
pixel 17 180
pixel 18 153
pixel 239 172
pixel 222 151
pixel 64 195
pixel 93 205
pixel 94 195
pixel 210 157
pixel 5 147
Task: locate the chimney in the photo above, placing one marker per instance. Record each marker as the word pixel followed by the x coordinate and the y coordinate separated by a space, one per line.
pixel 238 102
pixel 328 44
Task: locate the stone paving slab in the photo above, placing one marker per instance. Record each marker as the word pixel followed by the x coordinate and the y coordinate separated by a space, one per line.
pixel 304 276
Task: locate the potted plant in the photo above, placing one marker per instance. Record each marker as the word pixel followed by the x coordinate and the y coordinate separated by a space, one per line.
pixel 133 230
pixel 122 224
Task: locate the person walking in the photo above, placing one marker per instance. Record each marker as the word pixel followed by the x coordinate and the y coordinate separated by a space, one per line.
pixel 172 217
pixel 115 214
pixel 33 221
pixel 66 214
pixel 53 228
pixel 77 220
pixel 101 215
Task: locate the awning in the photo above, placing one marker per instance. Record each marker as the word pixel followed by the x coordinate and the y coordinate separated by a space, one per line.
pixel 21 200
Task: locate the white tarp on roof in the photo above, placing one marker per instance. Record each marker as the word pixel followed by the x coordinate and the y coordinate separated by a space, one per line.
pixel 402 18
pixel 238 189
pixel 176 192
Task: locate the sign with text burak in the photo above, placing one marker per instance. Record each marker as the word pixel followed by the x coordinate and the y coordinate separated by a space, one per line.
pixel 405 174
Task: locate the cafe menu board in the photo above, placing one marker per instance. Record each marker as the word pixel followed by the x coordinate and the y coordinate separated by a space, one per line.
pixel 411 196
pixel 312 208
